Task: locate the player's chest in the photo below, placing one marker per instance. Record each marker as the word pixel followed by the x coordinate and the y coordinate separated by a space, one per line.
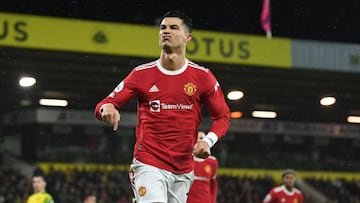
pixel 204 170
pixel 288 199
pixel 171 87
pixel 37 198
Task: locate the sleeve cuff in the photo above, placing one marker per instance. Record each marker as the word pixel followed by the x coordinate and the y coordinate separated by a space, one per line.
pixel 211 138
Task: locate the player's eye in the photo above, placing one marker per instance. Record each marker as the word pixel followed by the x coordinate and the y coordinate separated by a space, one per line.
pixel 174 27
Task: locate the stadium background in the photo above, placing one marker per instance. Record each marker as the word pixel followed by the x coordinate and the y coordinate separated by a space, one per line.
pixel 253 153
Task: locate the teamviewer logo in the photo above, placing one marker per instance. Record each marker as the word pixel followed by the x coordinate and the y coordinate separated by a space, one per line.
pixel 154 105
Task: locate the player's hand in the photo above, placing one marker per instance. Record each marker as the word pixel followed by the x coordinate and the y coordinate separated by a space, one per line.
pixel 201 149
pixel 110 115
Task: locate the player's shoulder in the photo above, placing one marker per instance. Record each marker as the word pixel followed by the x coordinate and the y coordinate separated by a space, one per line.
pixel 146 66
pixel 48 198
pixel 198 67
pixel 45 195
pixel 282 189
pixel 278 189
pixel 212 158
pixel 297 191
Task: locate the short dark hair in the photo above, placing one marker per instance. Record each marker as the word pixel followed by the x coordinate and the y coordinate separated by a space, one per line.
pixel 179 14
pixel 288 171
pixel 39 173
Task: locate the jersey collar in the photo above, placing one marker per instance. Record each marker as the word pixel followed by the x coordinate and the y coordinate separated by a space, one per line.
pixel 172 72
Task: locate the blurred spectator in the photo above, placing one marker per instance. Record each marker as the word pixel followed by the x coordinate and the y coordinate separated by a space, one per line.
pixel 90 198
pixel 205 186
pixel 286 193
pixel 39 186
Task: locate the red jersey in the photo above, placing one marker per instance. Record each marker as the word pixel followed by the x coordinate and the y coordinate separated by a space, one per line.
pixel 204 187
pixel 169 111
pixel 281 195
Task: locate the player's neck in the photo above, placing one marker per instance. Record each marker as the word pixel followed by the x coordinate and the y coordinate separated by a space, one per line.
pixel 172 61
pixel 290 189
pixel 39 192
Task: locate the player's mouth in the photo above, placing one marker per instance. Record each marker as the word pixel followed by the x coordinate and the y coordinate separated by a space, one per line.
pixel 166 38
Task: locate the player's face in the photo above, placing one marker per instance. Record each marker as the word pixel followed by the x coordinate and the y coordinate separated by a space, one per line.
pixel 90 199
pixel 38 184
pixel 173 34
pixel 289 180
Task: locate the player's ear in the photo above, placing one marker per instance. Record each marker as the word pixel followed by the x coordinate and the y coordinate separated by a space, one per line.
pixel 188 37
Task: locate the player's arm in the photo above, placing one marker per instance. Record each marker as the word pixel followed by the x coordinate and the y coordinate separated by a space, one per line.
pixel 214 181
pixel 301 198
pixel 201 149
pixel 218 110
pixel 107 109
pixel 268 198
pixel 48 199
pixel 220 114
pixel 110 115
pixel 213 189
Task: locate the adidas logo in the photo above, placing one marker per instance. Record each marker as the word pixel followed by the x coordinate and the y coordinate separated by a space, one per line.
pixel 153 89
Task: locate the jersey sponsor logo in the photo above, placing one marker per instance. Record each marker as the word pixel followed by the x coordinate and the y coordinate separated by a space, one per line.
pixel 190 89
pixel 156 106
pixel 154 89
pixel 142 191
pixel 176 106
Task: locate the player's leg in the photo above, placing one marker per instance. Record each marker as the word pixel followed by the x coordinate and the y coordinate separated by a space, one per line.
pixel 179 187
pixel 148 183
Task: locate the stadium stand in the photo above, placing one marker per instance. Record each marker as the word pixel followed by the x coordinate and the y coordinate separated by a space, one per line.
pixel 70 185
pixel 337 190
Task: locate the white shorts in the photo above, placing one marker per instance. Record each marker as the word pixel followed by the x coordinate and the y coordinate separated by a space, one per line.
pixel 151 184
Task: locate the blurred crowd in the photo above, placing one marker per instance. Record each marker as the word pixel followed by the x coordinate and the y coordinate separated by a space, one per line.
pixel 243 189
pixel 71 186
pixel 339 190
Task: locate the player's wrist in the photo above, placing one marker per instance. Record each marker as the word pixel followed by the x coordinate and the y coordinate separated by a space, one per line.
pixel 101 109
pixel 211 138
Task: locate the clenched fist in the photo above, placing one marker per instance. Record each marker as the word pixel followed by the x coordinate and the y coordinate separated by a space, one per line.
pixel 110 115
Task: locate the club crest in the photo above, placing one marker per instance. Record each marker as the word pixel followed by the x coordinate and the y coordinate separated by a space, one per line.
pixel 190 89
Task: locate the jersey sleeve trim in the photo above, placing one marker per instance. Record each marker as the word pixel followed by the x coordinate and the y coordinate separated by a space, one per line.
pixel 211 138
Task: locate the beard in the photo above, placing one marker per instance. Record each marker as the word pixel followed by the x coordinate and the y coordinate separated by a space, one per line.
pixel 168 48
